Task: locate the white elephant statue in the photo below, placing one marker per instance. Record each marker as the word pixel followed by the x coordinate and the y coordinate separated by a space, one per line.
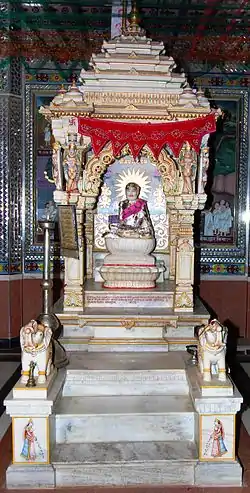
pixel 212 339
pixel 36 346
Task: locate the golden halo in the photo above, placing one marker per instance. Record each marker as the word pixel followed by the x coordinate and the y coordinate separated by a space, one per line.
pixel 132 176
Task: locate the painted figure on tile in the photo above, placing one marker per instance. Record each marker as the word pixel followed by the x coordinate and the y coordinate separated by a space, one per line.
pixel 134 218
pixel 216 444
pixel 30 442
pixel 36 345
pixel 72 168
pixel 212 340
pixel 28 450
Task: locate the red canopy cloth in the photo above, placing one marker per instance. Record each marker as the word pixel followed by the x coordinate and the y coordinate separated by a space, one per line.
pixel 154 135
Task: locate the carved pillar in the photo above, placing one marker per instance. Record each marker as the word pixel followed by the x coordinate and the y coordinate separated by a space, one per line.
pixel 182 210
pixel 173 232
pixel 89 238
pixel 74 273
pixel 183 299
pixel 74 267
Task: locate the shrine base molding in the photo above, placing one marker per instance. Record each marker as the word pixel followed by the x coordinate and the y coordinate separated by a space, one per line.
pixel 100 328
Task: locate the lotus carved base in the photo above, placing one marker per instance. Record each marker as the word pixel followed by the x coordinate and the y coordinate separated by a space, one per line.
pixel 129 263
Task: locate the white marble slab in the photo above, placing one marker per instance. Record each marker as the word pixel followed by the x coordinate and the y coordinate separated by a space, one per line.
pixel 216 388
pixel 186 331
pixel 122 332
pixel 126 361
pixel 125 405
pixel 125 463
pixel 110 452
pixel 40 391
pixel 125 374
pixel 124 418
pixel 96 296
pixel 144 473
pixel 218 474
pixel 19 407
pixel 177 345
pixel 30 476
pixel 156 346
pixel 78 330
pixel 112 298
pixel 214 403
pixel 209 389
pixel 125 382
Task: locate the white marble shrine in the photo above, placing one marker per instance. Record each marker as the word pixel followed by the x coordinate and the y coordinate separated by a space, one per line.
pixel 130 408
pixel 131 80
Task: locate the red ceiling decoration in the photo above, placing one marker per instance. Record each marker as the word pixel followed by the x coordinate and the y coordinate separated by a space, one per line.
pixel 154 135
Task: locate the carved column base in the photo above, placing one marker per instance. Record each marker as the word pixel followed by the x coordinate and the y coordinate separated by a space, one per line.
pixel 183 299
pixel 74 276
pixel 73 299
pixel 64 198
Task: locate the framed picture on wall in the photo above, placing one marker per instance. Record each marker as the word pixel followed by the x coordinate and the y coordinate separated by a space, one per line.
pixel 223 226
pixel 218 225
pixel 39 184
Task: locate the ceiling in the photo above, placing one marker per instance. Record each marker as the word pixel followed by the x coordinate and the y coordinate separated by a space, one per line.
pixel 193 30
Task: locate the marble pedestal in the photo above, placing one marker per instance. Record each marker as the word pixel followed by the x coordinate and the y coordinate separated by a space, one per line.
pixel 122 419
pixel 129 264
pixel 129 321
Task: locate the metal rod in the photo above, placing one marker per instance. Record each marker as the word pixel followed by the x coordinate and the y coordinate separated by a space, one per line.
pixel 47 317
pixel 46 283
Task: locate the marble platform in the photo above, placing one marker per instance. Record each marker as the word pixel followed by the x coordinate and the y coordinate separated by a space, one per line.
pixel 124 418
pixel 97 374
pixel 97 296
pixel 125 463
pixel 149 329
pixel 127 418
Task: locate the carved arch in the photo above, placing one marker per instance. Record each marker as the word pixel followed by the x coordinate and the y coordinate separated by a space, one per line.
pixel 169 171
pixel 94 170
pixel 97 165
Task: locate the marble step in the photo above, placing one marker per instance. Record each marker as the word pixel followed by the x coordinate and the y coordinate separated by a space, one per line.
pixel 124 418
pixel 125 463
pixel 126 374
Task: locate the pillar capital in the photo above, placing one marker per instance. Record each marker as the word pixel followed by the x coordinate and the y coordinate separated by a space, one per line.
pixel 186 202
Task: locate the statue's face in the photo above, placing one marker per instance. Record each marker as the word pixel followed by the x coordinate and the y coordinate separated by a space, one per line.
pixel 132 192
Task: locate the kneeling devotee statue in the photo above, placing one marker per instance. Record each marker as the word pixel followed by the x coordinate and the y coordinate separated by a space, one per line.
pixel 130 243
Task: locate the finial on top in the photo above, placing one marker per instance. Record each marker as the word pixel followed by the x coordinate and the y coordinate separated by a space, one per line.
pixel 133 29
pixel 134 17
